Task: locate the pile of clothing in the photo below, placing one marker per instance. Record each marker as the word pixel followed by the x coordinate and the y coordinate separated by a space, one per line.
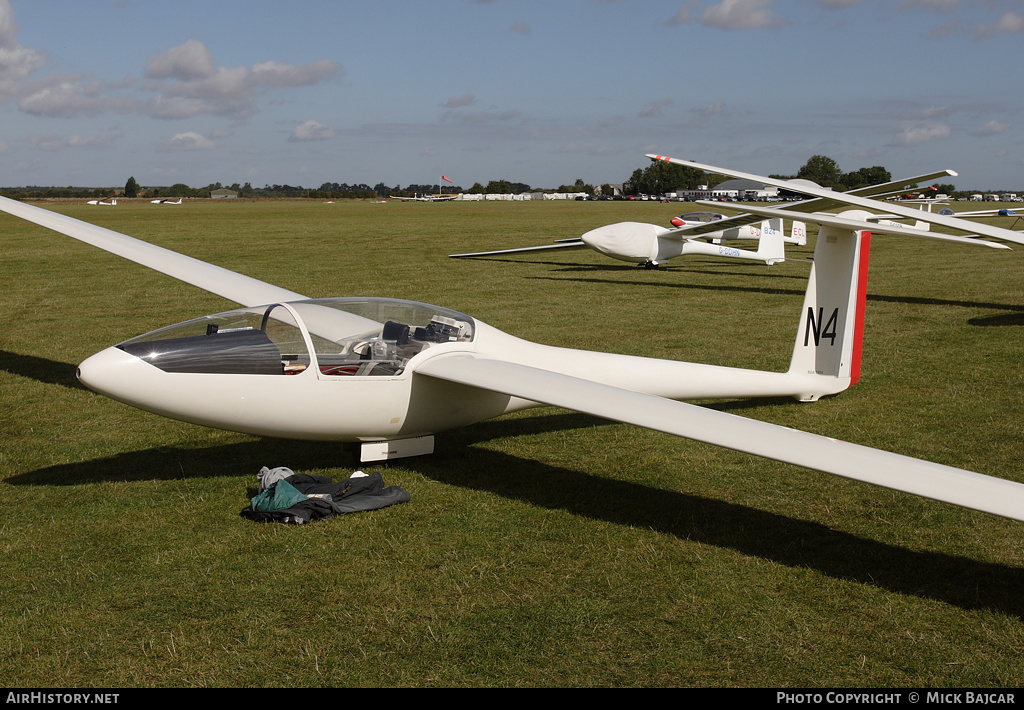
pixel 296 498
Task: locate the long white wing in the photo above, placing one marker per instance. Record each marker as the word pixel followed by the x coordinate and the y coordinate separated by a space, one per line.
pixel 1002 212
pixel 811 205
pixel 243 290
pixel 902 473
pixel 858 201
pixel 563 244
pixel 868 224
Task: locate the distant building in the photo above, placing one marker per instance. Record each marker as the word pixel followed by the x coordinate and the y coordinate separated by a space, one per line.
pixel 223 193
pixel 743 190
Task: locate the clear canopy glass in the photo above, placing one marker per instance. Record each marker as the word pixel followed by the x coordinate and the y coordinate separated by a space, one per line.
pixel 350 337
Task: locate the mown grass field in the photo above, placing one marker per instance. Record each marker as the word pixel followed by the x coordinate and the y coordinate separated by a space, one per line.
pixel 546 548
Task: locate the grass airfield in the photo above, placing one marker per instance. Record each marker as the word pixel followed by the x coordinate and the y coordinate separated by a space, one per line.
pixel 545 548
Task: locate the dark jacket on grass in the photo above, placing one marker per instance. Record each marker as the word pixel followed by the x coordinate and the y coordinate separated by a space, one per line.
pixel 318 497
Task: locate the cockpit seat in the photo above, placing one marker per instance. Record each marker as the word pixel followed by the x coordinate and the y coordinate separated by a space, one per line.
pixel 399 332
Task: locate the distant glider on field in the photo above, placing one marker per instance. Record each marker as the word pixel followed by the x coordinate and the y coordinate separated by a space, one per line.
pixel 651 245
pixel 387 374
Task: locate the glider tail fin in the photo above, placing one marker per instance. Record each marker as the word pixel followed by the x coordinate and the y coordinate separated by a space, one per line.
pixel 831 327
pixel 771 247
pixel 798 235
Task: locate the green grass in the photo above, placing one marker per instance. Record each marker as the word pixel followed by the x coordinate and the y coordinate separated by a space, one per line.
pixel 545 548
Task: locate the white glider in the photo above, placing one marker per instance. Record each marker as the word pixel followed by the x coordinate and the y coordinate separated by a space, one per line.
pixel 389 374
pixel 652 245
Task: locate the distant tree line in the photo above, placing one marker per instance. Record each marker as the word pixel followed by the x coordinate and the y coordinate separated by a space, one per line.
pixel 657 178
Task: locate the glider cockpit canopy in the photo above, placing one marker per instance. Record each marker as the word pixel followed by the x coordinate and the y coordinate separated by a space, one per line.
pixel 340 337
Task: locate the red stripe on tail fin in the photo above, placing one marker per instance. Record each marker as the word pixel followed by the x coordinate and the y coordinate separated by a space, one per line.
pixel 862 295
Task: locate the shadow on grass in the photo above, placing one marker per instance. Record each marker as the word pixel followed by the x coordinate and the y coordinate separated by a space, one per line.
pixel 706 268
pixel 39 368
pixel 1015 315
pixel 950 579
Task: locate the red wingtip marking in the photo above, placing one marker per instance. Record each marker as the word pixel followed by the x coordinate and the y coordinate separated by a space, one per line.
pixel 862 295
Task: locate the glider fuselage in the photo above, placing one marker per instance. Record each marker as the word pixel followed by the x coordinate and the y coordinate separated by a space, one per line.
pixel 271 371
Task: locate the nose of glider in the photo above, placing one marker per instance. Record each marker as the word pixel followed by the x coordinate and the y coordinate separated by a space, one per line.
pixel 114 373
pixel 678 221
pixel 627 241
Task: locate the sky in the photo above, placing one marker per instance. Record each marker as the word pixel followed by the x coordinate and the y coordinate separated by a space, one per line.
pixel 542 92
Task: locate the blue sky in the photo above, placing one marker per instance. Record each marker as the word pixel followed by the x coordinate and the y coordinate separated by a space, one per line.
pixel 542 92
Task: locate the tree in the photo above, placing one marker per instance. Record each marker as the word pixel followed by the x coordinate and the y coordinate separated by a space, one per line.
pixel 866 176
pixel 179 189
pixel 578 186
pixel 498 187
pixel 131 188
pixel 661 177
pixel 822 170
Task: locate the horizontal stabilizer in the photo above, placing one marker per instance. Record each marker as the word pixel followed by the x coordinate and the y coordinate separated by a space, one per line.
pixel 820 453
pixel 561 244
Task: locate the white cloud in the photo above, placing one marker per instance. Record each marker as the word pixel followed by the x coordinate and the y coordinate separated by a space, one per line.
pixel 188 84
pixel 1009 23
pixel 836 4
pixel 736 14
pixel 77 141
pixel 921 133
pixel 682 17
pixel 311 131
pixel 741 15
pixel 654 109
pixel 190 140
pixel 71 96
pixel 16 62
pixel 185 62
pixel 933 112
pixel 711 109
pixel 459 101
pixel 992 128
pixel 184 82
pixel 52 141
